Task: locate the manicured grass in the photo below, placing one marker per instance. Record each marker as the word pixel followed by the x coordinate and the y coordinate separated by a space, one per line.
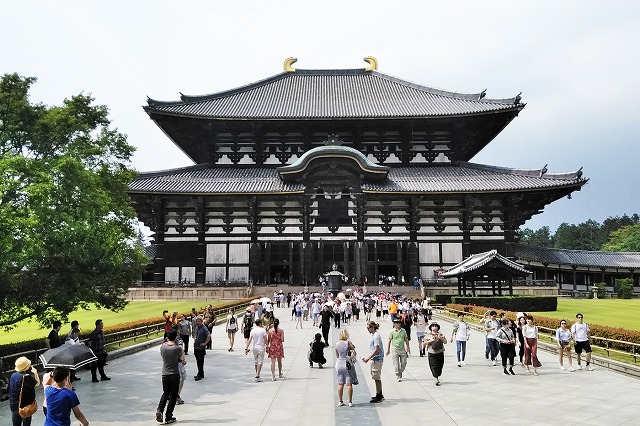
pixel 609 312
pixel 132 312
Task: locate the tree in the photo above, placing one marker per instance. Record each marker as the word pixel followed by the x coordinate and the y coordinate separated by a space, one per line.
pixel 624 288
pixel 613 223
pixel 540 238
pixel 626 238
pixel 584 236
pixel 67 235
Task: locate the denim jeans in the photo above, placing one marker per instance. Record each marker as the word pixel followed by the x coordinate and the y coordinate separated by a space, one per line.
pixel 461 349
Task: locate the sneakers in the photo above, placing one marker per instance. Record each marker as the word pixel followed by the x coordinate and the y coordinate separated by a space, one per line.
pixel 340 404
pixel 179 401
pixel 463 363
pixel 494 363
pixel 437 382
pixel 103 378
pixel 562 368
pixel 459 364
pixel 273 379
pixel 589 368
pixel 511 371
pixel 158 416
pixel 399 379
pixel 171 420
pixel 258 379
pixel 280 376
pixel 579 366
pixel 506 372
pixel 350 404
pixel 572 369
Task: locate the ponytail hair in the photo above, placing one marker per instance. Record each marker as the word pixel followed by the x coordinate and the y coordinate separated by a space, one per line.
pixel 276 322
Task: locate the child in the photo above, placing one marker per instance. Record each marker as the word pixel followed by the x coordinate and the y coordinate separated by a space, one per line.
pixel 317 352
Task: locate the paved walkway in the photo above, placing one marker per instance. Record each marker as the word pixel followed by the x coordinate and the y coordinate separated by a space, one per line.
pixel 477 394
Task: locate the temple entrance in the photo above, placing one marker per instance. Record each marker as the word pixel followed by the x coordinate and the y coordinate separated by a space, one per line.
pixel 279 274
pixel 388 274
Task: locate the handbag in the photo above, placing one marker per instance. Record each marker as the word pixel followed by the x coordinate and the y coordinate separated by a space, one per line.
pixel 28 410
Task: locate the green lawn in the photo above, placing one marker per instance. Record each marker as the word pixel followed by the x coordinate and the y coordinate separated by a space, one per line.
pixel 133 311
pixel 610 312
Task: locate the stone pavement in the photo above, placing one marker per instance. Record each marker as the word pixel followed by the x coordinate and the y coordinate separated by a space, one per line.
pixel 477 394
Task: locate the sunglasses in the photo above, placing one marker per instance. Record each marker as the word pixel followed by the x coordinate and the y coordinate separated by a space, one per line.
pixel 563 323
pixel 579 317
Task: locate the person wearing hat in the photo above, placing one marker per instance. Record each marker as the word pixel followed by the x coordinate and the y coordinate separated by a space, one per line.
pixel 434 342
pixel 25 380
pixel 401 350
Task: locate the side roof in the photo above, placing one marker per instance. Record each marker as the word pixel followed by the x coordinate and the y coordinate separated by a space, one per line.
pixel 477 262
pixel 594 259
pixel 327 94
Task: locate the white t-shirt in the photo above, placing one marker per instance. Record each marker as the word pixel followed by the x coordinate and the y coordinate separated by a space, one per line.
pixel 496 326
pixel 258 336
pixel 530 332
pixel 232 325
pixel 580 331
pixel 462 334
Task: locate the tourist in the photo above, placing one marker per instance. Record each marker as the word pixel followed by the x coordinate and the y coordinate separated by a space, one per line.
pixel 483 321
pixel 185 332
pixel 298 310
pixel 97 345
pixel 316 308
pixel 61 401
pixel 209 320
pixel 22 390
pixel 530 333
pixel 435 341
pixel 247 325
pixel 337 314
pixel 377 358
pixel 200 343
pixel 522 321
pixel 275 348
pixel 580 333
pixel 172 354
pixel 343 376
pixel 231 328
pixel 405 320
pixel 258 337
pixel 73 339
pixel 421 331
pixel 53 339
pixel 507 339
pixel 316 353
pixel 181 366
pixel 399 342
pixel 167 323
pixel 325 323
pixel 491 327
pixel 461 333
pixel 563 337
pixel 47 380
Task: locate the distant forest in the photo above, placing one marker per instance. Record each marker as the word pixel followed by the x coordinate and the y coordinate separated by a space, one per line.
pixel 614 234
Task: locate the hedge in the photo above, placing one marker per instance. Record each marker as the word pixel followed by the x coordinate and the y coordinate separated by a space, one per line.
pixel 615 333
pixel 511 303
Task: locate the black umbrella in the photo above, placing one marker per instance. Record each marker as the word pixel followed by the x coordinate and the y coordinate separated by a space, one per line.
pixel 72 356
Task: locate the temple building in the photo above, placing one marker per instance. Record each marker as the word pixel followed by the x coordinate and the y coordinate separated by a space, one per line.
pixel 309 168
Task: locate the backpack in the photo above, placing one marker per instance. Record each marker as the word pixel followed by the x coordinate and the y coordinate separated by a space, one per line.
pixel 232 320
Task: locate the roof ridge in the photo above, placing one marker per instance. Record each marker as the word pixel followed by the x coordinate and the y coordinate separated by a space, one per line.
pixel 539 173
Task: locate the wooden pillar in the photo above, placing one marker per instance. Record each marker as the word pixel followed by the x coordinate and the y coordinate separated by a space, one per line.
pixel 159 217
pixel 575 279
pixel 202 246
pixel 510 286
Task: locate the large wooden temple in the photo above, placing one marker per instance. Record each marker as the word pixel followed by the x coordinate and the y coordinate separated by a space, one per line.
pixel 309 168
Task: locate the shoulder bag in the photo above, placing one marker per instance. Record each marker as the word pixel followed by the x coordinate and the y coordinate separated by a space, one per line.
pixel 28 410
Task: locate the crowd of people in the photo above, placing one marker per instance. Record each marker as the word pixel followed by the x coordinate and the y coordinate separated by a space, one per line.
pixel 264 335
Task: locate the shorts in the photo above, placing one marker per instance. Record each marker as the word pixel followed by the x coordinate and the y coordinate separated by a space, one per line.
pixel 247 333
pixel 376 369
pixel 315 315
pixel 579 346
pixel 182 371
pixel 385 313
pixel 258 356
pixel 232 332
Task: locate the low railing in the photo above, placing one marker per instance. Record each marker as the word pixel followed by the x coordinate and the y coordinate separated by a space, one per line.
pixel 602 349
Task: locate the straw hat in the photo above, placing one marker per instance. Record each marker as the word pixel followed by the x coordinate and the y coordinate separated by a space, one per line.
pixel 22 364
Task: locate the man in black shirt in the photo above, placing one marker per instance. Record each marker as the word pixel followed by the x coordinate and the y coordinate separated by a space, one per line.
pixel 325 323
pixel 53 339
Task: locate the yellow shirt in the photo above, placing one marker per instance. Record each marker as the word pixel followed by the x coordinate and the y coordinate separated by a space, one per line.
pixel 393 308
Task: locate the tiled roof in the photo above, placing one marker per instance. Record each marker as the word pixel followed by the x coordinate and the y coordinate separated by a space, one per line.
pixel 477 261
pixel 456 177
pixel 595 259
pixel 324 94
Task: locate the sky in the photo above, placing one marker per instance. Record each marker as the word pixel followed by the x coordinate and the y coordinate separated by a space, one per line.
pixel 575 62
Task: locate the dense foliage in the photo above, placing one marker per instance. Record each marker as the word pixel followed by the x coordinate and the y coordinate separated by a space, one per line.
pixel 67 235
pixel 614 234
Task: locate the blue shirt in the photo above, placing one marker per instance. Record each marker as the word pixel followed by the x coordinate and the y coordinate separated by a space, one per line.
pixel 201 336
pixel 60 402
pixel 28 392
pixel 376 339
